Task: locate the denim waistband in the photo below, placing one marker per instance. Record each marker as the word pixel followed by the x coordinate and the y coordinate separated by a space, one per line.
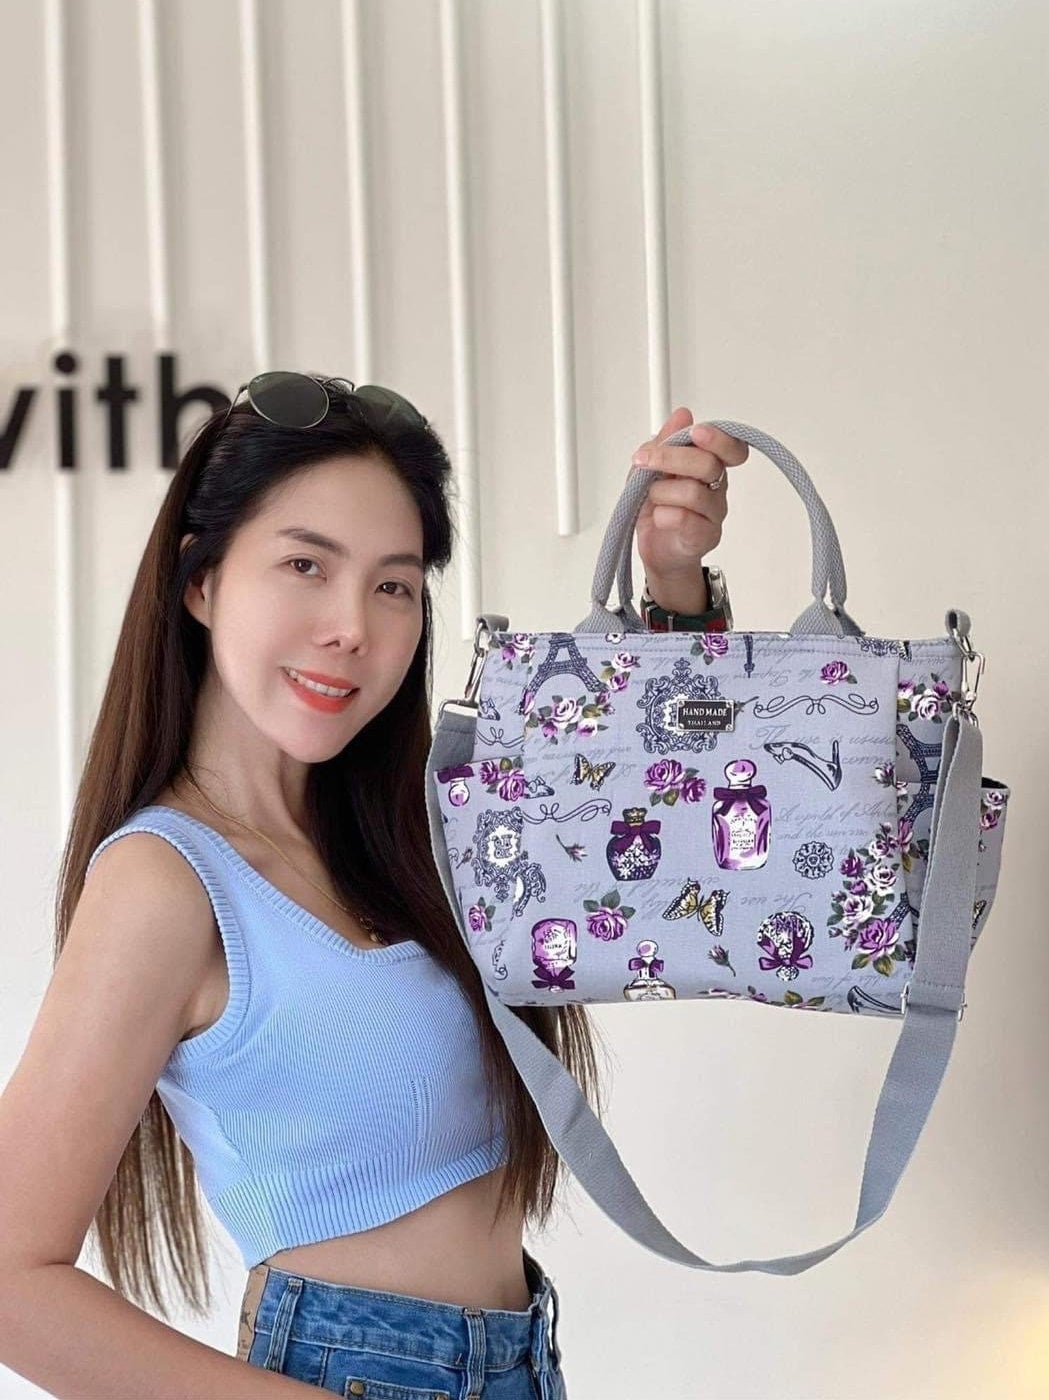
pixel 335 1314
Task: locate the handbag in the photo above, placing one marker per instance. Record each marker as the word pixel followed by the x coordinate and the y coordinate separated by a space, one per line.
pixel 795 819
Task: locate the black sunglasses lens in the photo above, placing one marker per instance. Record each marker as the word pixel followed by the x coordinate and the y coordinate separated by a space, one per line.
pixel 388 405
pixel 290 399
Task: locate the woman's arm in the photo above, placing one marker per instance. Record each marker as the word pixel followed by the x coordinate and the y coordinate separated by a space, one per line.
pixel 688 595
pixel 77 1338
pixel 121 995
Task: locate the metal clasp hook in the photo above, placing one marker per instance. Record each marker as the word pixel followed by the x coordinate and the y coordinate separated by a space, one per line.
pixel 487 623
pixel 958 627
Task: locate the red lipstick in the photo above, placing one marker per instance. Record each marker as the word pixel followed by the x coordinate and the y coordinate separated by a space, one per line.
pixel 327 704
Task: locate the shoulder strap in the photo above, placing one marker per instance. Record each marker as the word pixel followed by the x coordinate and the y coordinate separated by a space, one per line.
pixel 933 1005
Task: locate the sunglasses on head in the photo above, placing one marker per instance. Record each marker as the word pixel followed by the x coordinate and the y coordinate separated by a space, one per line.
pixel 294 400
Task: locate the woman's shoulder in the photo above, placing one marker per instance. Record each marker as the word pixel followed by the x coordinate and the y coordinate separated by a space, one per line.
pixel 141 888
pixel 146 871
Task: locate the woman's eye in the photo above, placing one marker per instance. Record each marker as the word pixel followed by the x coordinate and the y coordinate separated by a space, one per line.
pixel 293 562
pixel 397 584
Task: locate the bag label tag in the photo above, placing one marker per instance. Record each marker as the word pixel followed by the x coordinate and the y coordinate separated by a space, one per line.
pixel 708 716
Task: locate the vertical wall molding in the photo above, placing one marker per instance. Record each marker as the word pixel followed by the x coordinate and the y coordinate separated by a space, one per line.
pixel 464 388
pixel 64 495
pixel 255 188
pixel 562 320
pixel 653 187
pixel 358 184
pixel 155 188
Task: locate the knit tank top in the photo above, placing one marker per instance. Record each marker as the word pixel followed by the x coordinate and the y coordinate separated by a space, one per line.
pixel 340 1088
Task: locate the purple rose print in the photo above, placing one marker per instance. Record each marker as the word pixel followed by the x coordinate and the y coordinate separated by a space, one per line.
pixel 616 673
pixel 878 936
pixel 856 908
pixel 566 712
pixel 511 785
pixel 504 778
pixel 992 806
pixel 477 919
pixel 859 910
pixel 710 645
pixel 885 774
pixel 835 672
pixel 882 877
pixel 668 781
pixel 566 716
pixel 663 775
pixel 479 916
pixel 518 648
pixel 929 702
pixel 929 705
pixel 608 917
pixel 606 924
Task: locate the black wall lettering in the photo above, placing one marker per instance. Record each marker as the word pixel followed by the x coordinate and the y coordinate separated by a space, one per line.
pixel 117 396
pixel 66 363
pixel 15 423
pixel 172 404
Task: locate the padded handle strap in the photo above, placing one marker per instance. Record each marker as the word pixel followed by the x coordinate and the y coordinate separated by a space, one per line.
pixel 614 559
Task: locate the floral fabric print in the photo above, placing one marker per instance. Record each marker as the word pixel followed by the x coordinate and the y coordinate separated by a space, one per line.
pixel 746 816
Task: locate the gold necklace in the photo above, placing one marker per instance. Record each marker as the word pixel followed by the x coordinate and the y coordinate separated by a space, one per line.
pixel 369 927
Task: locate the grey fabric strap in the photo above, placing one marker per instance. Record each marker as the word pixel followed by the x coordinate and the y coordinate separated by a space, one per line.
pixel 919 1061
pixel 614 559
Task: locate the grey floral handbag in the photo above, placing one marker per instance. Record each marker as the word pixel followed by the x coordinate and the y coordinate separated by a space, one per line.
pixel 796 818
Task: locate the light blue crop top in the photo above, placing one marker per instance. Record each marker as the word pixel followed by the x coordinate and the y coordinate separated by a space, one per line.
pixel 340 1088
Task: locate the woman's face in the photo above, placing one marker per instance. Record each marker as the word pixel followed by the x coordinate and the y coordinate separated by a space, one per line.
pixel 351 611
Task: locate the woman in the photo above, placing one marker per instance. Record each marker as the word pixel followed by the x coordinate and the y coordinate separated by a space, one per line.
pixel 258 980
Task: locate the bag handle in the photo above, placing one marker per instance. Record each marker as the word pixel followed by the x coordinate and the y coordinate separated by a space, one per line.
pixel 614 559
pixel 933 1003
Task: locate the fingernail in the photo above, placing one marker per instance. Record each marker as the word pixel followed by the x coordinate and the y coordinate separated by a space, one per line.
pixel 700 434
pixel 641 458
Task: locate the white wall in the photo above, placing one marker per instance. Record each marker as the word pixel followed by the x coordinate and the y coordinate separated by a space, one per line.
pixel 856 225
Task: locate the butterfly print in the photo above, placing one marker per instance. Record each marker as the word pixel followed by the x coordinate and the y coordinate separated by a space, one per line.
pixel 594 773
pixel 709 911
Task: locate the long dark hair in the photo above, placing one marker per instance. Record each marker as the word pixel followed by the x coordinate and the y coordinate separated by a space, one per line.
pixel 367 815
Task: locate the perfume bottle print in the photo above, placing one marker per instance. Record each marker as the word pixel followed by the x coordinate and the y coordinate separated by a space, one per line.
pixel 634 850
pixel 741 819
pixel 648 985
pixel 554 951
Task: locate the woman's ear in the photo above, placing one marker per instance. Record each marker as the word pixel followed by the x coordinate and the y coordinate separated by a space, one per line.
pixel 195 597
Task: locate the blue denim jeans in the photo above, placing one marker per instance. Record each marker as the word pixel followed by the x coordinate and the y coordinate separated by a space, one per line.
pixel 369 1345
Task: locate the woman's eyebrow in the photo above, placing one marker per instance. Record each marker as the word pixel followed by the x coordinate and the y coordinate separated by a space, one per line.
pixel 319 541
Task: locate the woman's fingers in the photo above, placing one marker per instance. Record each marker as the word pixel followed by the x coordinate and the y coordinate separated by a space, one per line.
pixel 692 494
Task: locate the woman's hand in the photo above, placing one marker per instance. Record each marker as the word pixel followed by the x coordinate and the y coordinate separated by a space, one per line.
pixel 681 518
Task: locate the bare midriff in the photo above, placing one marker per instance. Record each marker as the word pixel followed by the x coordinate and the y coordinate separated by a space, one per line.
pixel 447 1251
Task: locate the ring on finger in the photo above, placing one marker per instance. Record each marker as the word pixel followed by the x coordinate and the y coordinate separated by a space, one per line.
pixel 716 485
